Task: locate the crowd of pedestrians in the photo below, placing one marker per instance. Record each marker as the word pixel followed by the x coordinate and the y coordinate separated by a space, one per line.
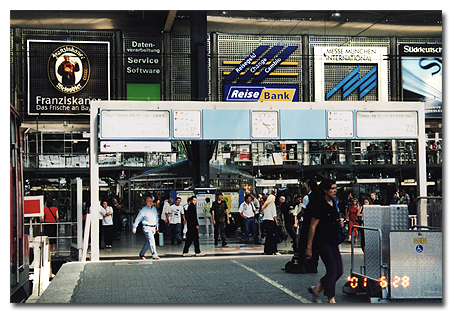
pixel 311 221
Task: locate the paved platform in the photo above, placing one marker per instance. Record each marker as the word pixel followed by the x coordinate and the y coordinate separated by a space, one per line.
pixel 237 273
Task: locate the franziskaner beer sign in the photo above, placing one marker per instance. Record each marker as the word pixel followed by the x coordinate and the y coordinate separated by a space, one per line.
pixel 65 76
pixel 68 69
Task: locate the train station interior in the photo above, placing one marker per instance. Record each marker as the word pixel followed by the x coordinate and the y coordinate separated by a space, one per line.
pixel 250 57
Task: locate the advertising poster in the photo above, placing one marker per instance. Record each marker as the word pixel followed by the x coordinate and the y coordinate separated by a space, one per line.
pixel 422 73
pixel 143 66
pixel 202 194
pixel 232 200
pixel 351 73
pixel 64 77
pixel 423 80
pixel 259 93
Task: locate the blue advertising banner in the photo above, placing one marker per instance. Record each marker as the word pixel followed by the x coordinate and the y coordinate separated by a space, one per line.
pixel 423 81
pixel 257 93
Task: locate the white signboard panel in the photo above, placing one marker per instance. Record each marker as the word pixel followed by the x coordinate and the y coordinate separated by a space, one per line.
pixel 135 146
pixel 122 124
pixel 340 124
pixel 387 124
pixel 186 124
pixel 353 56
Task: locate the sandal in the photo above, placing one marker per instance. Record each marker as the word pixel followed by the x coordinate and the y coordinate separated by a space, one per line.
pixel 315 297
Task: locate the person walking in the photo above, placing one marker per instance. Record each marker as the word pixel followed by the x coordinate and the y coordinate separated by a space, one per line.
pixel 247 212
pixel 164 223
pixel 148 216
pixel 353 212
pixel 176 215
pixel 117 222
pixel 323 232
pixel 107 223
pixel 270 223
pixel 51 216
pixel 220 217
pixel 308 205
pixel 208 218
pixel 192 228
pixel 288 219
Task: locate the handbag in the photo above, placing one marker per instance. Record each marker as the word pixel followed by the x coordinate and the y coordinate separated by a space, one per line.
pixel 359 220
pixel 342 234
pixel 280 236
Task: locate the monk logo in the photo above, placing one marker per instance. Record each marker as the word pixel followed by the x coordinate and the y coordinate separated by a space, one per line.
pixel 68 69
pixel 353 81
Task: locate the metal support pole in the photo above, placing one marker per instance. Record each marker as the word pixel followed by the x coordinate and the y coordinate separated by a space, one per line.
pixel 118 68
pixel 167 66
pixel 79 217
pixel 94 180
pixel 214 80
pixel 422 169
pixel 305 83
pixel 393 70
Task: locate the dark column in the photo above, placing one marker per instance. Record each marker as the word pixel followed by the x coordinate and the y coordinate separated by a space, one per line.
pixel 200 152
pixel 394 83
pixel 120 94
pixel 198 50
pixel 167 66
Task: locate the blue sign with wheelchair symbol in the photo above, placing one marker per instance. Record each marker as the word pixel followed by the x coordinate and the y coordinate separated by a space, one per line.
pixel 419 248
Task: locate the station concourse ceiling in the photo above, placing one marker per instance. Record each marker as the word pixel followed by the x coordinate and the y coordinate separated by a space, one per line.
pixel 417 23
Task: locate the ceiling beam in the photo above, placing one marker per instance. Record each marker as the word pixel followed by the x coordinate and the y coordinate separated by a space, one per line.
pixel 169 20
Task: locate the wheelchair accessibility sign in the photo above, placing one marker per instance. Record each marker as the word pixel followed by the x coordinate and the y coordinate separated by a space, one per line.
pixel 419 248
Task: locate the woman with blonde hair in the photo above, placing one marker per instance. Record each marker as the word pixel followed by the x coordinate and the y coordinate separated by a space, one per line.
pixel 270 224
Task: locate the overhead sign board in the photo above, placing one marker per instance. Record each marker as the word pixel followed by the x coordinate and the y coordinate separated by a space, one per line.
pixel 145 124
pixel 340 124
pixel 135 146
pixel 187 124
pixel 387 124
pixel 273 120
pixel 274 182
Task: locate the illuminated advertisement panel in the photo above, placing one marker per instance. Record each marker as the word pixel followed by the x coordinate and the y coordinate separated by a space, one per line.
pixel 422 73
pixel 351 73
pixel 64 77
pixel 257 93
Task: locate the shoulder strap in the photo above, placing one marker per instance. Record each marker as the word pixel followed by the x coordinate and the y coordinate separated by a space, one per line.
pixel 52 214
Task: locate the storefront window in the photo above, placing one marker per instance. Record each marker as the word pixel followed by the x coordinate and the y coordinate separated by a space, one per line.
pixel 53 143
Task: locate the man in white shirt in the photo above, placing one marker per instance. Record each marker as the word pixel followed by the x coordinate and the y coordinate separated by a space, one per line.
pixel 166 210
pixel 148 216
pixel 176 215
pixel 247 212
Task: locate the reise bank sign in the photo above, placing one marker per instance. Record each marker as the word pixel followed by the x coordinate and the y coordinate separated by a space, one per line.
pixel 255 68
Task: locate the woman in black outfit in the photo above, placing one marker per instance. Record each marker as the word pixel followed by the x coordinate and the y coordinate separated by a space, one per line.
pixel 323 237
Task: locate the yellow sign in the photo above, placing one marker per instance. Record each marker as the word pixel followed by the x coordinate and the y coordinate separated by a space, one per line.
pixel 420 240
pixel 277 94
